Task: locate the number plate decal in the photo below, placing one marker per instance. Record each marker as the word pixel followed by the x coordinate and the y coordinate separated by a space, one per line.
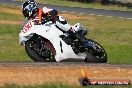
pixel 27 27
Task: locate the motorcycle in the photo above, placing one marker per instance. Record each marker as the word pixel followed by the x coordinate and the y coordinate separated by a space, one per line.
pixel 47 43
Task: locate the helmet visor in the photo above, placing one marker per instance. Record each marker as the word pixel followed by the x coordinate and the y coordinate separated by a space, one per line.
pixel 28 7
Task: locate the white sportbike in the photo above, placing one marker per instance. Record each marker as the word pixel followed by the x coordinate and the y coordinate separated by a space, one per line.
pixel 47 43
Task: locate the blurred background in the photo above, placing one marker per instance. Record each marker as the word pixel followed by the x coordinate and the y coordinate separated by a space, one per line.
pixel 127 3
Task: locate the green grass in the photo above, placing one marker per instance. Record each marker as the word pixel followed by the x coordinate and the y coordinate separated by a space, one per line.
pixel 114 34
pixel 61 86
pixel 83 5
pixel 5 16
pixel 10 50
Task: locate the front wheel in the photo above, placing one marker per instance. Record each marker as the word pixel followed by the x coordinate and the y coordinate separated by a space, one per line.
pixel 95 52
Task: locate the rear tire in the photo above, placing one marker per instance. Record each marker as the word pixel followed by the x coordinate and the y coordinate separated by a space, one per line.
pixel 35 56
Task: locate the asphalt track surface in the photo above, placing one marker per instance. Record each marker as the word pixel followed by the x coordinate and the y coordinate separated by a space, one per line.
pixel 90 11
pixel 110 13
pixel 60 64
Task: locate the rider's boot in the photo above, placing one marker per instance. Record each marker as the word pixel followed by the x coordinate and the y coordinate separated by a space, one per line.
pixel 79 31
pixel 78 28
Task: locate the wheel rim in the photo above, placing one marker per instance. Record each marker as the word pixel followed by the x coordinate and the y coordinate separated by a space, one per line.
pixel 95 49
pixel 42 50
pixel 98 51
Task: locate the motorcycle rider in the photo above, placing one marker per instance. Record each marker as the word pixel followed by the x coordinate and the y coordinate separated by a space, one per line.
pixel 30 10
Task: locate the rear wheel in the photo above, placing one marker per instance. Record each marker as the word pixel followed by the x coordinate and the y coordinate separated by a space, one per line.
pixel 95 52
pixel 40 49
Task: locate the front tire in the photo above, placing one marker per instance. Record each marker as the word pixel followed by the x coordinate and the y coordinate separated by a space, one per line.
pixel 40 49
pixel 95 53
